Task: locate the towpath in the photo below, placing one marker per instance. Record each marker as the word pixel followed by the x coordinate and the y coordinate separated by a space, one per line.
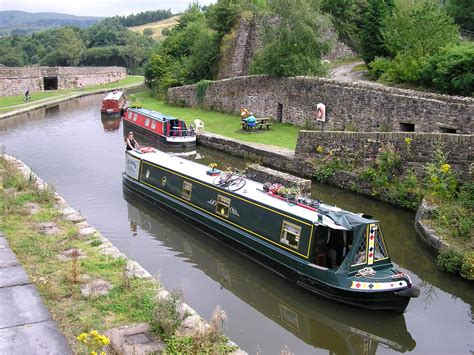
pixel 26 326
pixel 345 73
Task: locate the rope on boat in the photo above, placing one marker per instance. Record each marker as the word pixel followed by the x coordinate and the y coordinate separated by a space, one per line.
pixel 365 272
pixel 369 272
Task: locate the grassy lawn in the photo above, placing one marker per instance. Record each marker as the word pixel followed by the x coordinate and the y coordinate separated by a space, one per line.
pixel 280 135
pixel 8 103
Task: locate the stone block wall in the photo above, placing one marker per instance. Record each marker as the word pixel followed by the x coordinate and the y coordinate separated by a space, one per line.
pixel 15 81
pixel 366 146
pixel 355 106
pixel 262 174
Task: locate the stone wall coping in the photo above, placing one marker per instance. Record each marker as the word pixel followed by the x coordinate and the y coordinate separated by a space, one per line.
pixel 426 137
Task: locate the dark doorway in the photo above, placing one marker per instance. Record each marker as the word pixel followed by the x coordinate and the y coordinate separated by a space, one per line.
pixel 447 130
pixel 280 113
pixel 407 127
pixel 50 83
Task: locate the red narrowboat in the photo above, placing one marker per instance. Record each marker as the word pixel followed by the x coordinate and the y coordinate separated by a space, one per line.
pixel 114 103
pixel 169 130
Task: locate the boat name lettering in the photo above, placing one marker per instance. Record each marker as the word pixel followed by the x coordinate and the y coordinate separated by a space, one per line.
pixel 131 167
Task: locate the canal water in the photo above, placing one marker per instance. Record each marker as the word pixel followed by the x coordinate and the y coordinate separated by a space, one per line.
pixel 82 156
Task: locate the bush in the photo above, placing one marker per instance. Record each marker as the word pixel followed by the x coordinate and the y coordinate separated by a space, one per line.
pixel 450 260
pixel 440 179
pixel 451 70
pixel 378 67
pixel 326 168
pixel 467 268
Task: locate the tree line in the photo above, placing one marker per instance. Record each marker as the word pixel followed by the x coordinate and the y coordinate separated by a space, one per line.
pixel 105 43
pixel 144 17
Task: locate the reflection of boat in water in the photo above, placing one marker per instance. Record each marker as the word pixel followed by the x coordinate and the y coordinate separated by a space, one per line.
pixel 337 328
pixel 110 122
pixel 331 252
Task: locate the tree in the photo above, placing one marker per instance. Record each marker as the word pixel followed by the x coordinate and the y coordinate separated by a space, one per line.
pixel 418 29
pixel 372 42
pixel 222 16
pixel 293 40
pixel 463 13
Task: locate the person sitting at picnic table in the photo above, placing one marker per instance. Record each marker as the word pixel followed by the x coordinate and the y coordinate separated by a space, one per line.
pixel 250 122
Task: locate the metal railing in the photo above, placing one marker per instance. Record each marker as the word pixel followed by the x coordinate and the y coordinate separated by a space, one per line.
pixel 467 33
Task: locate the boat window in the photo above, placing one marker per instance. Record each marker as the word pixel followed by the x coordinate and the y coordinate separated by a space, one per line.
pixel 380 251
pixel 223 206
pixel 332 246
pixel 360 256
pixel 187 188
pixel 130 115
pixel 135 116
pixel 147 122
pixel 290 234
pixel 153 125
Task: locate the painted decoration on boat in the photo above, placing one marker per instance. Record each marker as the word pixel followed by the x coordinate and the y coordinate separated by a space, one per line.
pixel 358 285
pixel 372 232
pixel 132 166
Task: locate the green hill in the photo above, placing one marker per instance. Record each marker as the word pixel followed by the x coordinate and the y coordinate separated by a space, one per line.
pixel 22 22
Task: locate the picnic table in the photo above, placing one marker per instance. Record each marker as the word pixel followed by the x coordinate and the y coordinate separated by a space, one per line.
pixel 260 123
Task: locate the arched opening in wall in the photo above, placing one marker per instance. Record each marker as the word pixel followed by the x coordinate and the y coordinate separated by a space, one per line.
pixel 407 127
pixel 447 130
pixel 50 83
pixel 280 113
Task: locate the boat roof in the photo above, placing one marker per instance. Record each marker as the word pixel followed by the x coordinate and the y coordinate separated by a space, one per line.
pixel 153 114
pixel 330 216
pixel 114 95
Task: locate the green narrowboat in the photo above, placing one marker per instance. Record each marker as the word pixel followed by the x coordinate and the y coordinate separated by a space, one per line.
pixel 331 252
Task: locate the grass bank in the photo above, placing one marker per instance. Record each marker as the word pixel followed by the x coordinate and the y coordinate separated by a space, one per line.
pixel 281 134
pixel 11 103
pixel 60 282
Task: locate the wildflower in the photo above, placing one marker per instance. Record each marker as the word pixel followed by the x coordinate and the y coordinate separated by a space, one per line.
pixel 408 140
pixel 93 353
pixel 319 149
pixel 434 179
pixel 445 168
pixel 82 337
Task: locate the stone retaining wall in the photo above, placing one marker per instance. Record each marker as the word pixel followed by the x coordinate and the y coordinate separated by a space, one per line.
pixel 277 158
pixel 262 174
pixel 364 148
pixel 348 105
pixel 425 231
pixel 15 81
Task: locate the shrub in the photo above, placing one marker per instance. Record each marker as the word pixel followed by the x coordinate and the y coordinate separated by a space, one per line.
pixel 440 179
pixel 326 168
pixel 449 260
pixel 168 314
pixel 451 70
pixel 467 268
pixel 378 67
pixel 201 88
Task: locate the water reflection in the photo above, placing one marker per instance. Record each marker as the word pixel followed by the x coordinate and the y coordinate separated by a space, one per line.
pixel 110 123
pixel 337 328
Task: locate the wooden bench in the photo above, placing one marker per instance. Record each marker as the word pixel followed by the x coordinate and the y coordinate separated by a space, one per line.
pixel 267 125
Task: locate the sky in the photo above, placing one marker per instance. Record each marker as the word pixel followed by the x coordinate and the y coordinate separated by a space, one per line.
pixel 102 8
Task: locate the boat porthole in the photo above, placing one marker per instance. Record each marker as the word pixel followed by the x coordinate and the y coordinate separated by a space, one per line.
pixel 163 180
pixel 147 174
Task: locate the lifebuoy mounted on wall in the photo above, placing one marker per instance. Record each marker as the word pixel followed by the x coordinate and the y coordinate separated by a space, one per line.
pixel 321 112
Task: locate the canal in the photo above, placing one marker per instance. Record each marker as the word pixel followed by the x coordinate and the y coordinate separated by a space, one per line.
pixel 82 156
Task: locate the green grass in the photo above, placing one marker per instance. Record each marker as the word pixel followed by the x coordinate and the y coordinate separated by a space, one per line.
pixel 281 134
pixel 8 103
pixel 360 67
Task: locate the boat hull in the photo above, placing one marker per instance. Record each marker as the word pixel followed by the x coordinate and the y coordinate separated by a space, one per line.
pixel 384 300
pixel 168 141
